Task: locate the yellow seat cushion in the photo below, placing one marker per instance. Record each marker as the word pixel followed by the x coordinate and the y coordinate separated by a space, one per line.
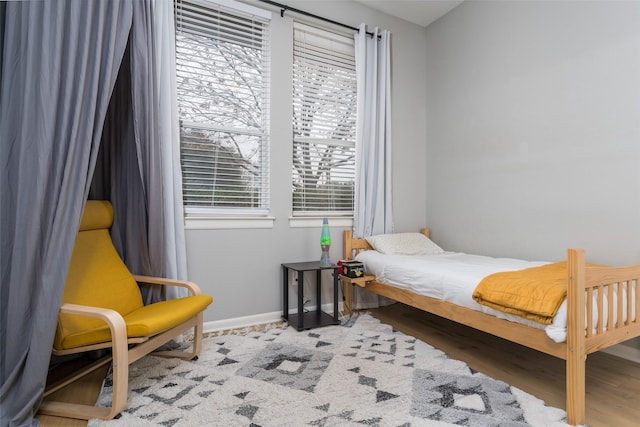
pixel 97 277
pixel 145 321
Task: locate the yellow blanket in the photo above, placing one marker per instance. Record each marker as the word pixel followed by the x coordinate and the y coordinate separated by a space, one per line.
pixel 533 293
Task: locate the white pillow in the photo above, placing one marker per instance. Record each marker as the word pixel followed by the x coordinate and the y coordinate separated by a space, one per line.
pixel 404 244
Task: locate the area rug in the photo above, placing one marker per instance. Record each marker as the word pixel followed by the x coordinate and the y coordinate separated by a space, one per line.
pixel 361 373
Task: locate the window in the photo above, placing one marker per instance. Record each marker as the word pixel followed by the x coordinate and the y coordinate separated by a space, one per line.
pixel 324 119
pixel 222 67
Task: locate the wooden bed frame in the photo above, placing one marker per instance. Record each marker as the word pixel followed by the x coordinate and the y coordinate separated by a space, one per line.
pixel 583 282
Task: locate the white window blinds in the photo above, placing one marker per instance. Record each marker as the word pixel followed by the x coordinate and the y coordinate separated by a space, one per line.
pixel 222 67
pixel 324 118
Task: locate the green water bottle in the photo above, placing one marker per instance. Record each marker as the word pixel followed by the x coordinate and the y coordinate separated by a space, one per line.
pixel 325 244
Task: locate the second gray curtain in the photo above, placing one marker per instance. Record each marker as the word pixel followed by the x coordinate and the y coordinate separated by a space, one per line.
pixel 372 206
pixel 139 166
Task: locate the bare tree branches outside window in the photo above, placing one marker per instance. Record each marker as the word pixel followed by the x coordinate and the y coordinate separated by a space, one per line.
pixel 324 118
pixel 222 83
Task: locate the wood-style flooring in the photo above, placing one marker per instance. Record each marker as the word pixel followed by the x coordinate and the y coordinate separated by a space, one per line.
pixel 613 384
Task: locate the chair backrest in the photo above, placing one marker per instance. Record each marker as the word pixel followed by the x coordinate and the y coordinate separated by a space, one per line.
pixel 97 275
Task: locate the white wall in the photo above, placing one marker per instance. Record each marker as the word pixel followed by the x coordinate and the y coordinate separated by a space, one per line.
pixel 240 268
pixel 533 129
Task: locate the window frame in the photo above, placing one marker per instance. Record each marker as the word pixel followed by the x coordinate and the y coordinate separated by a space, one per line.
pixel 217 216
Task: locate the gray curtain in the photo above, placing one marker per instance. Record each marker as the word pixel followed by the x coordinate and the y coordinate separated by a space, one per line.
pixel 373 205
pixel 139 164
pixel 373 212
pixel 3 9
pixel 59 65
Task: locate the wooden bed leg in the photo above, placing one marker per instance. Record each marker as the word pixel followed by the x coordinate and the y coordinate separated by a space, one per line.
pixel 576 354
pixel 347 292
pixel 576 371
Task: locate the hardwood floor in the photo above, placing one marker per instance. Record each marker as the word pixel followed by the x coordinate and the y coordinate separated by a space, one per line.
pixel 84 391
pixel 613 384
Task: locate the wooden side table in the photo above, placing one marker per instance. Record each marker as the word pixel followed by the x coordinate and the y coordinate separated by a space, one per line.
pixel 310 319
pixel 347 288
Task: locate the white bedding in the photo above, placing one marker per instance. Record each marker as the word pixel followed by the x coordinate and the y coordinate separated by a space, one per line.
pixel 452 277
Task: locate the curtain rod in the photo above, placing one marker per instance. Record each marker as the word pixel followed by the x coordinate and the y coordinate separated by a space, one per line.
pixel 284 8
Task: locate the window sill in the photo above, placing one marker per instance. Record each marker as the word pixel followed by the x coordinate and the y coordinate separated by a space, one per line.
pixel 242 222
pixel 316 222
pixel 227 223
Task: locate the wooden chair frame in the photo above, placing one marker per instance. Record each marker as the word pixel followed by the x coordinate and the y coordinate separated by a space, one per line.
pixel 121 355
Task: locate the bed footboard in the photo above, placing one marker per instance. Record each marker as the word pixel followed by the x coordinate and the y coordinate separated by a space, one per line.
pixel 603 308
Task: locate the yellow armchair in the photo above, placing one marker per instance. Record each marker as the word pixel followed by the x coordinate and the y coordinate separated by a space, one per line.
pixel 102 309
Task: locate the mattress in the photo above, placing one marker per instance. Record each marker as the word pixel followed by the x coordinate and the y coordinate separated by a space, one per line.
pixel 452 277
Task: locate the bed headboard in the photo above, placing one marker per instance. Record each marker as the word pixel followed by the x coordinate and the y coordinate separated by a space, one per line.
pixel 352 246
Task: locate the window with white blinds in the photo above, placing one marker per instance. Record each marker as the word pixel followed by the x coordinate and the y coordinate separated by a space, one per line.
pixel 222 67
pixel 324 119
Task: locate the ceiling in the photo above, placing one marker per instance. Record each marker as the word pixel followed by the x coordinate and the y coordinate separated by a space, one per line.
pixel 421 12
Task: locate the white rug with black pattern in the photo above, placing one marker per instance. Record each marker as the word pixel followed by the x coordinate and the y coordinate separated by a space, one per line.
pixel 360 374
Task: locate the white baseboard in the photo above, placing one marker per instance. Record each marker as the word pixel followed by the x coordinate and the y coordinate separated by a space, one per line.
pixel 242 322
pixel 257 319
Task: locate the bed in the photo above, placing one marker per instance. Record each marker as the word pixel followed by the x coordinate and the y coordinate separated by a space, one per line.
pixel 596 297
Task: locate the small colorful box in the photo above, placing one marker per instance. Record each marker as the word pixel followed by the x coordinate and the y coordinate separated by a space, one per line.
pixel 352 269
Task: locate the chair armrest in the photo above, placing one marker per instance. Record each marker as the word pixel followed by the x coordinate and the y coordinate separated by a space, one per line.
pixel 119 349
pixel 192 287
pixel 113 318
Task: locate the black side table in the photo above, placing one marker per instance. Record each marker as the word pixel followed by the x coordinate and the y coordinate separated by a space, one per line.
pixel 310 319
